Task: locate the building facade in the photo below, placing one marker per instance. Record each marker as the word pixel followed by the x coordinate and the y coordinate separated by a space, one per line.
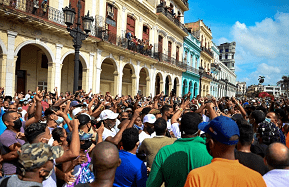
pixel 204 34
pixel 241 89
pixel 272 90
pixel 36 49
pixel 227 76
pixel 191 78
pixel 215 70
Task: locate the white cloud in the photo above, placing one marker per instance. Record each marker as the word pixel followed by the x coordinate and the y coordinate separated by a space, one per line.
pixel 269 38
pixel 262 49
pixel 222 40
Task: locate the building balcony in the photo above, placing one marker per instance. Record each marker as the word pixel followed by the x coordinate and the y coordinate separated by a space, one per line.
pixel 183 4
pixel 208 51
pixel 192 70
pixel 207 75
pixel 171 19
pixel 43 12
pixel 215 67
pixel 167 59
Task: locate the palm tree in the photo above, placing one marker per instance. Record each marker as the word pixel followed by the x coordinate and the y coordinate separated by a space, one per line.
pixel 284 83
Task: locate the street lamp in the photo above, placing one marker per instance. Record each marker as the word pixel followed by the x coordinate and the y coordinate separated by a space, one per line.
pixel 77 34
pixel 201 72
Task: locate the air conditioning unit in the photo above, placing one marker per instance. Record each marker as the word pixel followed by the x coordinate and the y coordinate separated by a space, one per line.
pixel 110 14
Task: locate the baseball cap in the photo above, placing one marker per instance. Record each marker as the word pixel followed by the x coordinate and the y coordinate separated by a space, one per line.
pixel 128 109
pixel 35 155
pixel 76 111
pixel 149 118
pixel 221 129
pixel 108 114
pixel 75 104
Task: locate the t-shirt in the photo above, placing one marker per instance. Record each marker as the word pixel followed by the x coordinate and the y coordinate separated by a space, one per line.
pixel 106 133
pixel 253 161
pixel 7 139
pixel 131 172
pixel 223 172
pixel 176 130
pixel 277 178
pixel 14 181
pixel 151 146
pixel 173 162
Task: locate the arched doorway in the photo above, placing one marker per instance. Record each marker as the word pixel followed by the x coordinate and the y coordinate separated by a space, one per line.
pixel 190 86
pixel 108 77
pixel 168 85
pixel 207 90
pixel 204 91
pixel 31 68
pixel 144 82
pixel 158 83
pixel 127 80
pixel 184 87
pixel 67 73
pixel 176 86
pixel 195 93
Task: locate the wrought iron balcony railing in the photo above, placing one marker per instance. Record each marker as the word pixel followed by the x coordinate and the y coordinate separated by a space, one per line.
pixel 192 69
pixel 170 16
pixel 165 58
pixel 42 10
pixel 207 51
pixel 207 75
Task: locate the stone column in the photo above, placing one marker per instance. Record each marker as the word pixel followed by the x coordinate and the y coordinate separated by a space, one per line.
pixel 116 82
pixel 85 73
pixel 10 64
pixel 58 66
pixel 51 76
pixel 148 82
pixel 119 83
pixel 97 66
pixel 90 72
pixel 134 83
pixel 3 59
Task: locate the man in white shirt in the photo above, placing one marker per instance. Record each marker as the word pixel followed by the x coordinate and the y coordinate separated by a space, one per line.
pixel 277 160
pixel 148 131
pixel 109 120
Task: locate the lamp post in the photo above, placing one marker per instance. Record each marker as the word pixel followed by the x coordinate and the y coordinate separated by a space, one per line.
pixel 201 72
pixel 77 34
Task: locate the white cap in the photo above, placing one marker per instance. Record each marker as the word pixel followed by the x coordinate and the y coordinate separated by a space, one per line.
pixel 76 111
pixel 108 114
pixel 149 118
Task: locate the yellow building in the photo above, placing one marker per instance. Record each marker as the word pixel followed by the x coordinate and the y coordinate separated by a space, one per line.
pixel 204 34
pixel 37 50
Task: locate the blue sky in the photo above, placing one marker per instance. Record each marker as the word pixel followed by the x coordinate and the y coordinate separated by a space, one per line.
pixel 260 29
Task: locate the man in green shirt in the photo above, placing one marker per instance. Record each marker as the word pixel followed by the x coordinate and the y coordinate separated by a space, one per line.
pixel 173 162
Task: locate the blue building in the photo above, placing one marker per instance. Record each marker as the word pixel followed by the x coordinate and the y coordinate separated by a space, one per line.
pixel 191 56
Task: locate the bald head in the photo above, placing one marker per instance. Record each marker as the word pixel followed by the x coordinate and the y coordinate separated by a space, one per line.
pixel 277 156
pixel 105 157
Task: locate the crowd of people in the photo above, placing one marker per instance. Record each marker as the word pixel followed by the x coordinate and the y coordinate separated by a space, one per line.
pixel 84 139
pixel 138 45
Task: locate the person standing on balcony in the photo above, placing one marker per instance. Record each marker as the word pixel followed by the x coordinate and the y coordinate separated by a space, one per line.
pixel 35 6
pixel 44 6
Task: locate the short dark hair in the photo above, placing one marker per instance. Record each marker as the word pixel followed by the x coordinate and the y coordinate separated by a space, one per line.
pixel 190 122
pixel 246 133
pixel 276 162
pixel 258 115
pixel 57 133
pixel 146 110
pixel 6 115
pixel 165 108
pixel 129 139
pixel 160 126
pixel 33 130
